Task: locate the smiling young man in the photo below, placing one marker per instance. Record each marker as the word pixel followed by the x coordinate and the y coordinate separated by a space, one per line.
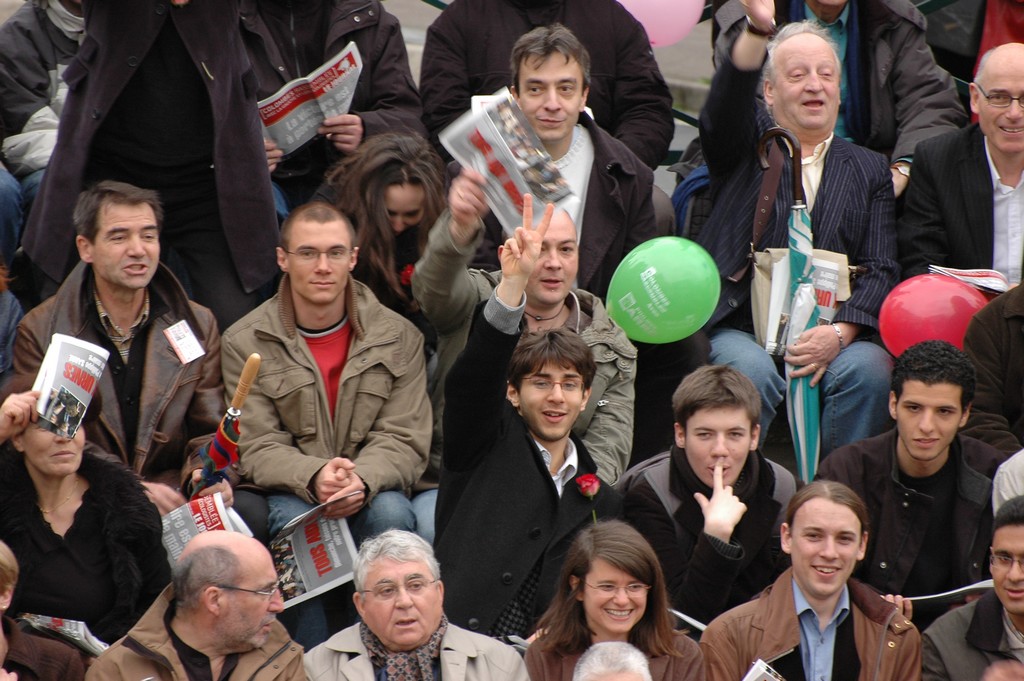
pixel 449 293
pixel 815 622
pixel 159 405
pixel 404 632
pixel 928 489
pixel 511 471
pixel 712 509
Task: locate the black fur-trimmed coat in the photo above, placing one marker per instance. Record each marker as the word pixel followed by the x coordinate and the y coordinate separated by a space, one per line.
pixel 132 536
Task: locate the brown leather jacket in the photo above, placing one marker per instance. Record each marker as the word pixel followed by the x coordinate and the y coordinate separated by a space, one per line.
pixel 180 405
pixel 888 645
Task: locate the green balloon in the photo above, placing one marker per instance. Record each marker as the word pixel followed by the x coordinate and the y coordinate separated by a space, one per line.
pixel 664 290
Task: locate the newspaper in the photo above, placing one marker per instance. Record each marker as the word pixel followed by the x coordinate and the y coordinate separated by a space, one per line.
pixel 292 115
pixel 68 378
pixel 762 671
pixel 74 632
pixel 201 514
pixel 984 280
pixel 497 141
pixel 954 595
pixel 826 287
pixel 312 554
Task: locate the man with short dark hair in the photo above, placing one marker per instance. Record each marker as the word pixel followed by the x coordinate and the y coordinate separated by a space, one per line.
pixel 928 489
pixel 217 620
pixel 339 411
pixel 162 399
pixel 448 294
pixel 510 457
pixel 613 214
pixel 466 53
pixel 712 508
pixel 982 640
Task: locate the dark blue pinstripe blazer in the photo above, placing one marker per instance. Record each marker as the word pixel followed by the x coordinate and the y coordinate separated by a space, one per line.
pixel 853 210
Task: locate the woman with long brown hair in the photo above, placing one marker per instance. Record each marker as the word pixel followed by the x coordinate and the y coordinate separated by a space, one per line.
pixel 392 188
pixel 611 589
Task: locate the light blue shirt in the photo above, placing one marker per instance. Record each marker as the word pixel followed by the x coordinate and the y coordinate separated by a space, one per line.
pixel 837 31
pixel 817 647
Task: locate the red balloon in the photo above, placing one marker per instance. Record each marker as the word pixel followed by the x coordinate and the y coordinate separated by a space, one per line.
pixel 928 307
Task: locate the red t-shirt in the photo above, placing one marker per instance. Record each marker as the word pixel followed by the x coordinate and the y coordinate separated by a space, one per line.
pixel 330 350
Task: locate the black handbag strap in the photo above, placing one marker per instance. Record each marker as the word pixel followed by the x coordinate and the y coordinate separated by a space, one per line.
pixel 765 201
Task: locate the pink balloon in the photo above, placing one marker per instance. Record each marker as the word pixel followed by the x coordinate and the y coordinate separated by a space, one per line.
pixel 928 307
pixel 666 21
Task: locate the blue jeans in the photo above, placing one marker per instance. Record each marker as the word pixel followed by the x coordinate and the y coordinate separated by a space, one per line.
pixel 854 389
pixel 307 621
pixel 29 188
pixel 10 215
pixel 423 506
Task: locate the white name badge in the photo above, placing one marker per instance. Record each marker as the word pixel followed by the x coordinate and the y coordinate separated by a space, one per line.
pixel 184 342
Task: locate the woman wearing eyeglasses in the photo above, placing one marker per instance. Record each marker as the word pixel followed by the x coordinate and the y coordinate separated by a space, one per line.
pixel 611 589
pixel 86 536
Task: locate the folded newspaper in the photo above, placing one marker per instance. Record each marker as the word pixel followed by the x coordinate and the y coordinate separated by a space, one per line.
pixel 68 378
pixel 312 554
pixel 762 671
pixel 982 279
pixel 826 287
pixel 497 141
pixel 74 632
pixel 954 595
pixel 292 115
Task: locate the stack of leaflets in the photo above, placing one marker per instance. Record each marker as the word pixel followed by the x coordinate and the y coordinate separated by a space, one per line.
pixel 68 378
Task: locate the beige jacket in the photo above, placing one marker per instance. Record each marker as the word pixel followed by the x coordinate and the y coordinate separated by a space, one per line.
pixel 146 652
pixel 465 656
pixel 382 418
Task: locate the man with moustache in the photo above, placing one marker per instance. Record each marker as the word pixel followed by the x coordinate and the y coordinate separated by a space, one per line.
pixel 928 489
pixel 217 620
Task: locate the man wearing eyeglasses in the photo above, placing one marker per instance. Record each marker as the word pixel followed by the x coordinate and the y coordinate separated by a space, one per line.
pixel 964 202
pixel 985 639
pixel 516 484
pixel 217 620
pixel 404 634
pixel 339 412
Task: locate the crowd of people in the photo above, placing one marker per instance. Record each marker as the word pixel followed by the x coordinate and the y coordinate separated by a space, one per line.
pixel 457 391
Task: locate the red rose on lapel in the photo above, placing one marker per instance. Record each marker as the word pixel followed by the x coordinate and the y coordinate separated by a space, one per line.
pixel 589 485
pixel 406 275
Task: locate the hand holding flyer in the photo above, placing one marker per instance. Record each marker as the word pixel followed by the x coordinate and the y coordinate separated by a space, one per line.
pixel 68 378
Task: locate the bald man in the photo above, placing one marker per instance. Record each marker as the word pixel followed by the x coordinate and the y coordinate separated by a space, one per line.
pixel 960 202
pixel 217 620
